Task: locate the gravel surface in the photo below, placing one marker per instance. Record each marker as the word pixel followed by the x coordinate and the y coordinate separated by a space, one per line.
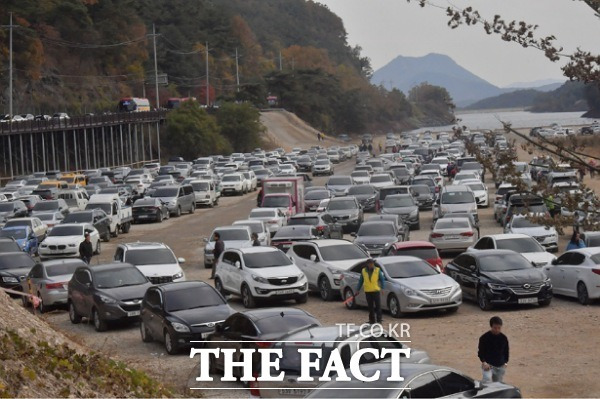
pixel 554 350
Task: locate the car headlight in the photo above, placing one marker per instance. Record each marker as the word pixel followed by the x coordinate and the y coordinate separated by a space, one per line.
pixel 334 271
pixel 301 276
pixel 44 245
pixel 178 275
pixel 182 328
pixel 414 213
pixel 548 282
pixel 10 279
pixel 473 209
pixel 409 292
pixel 260 279
pixel 208 251
pixel 106 299
pixel 445 209
pixel 207 196
pixel 496 286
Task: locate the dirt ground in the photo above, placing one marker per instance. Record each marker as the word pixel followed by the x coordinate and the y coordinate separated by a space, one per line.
pixel 554 350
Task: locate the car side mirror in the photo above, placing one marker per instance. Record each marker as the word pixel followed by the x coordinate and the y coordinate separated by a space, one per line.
pixel 205 240
pixel 314 258
pixel 554 262
pixel 238 264
pixel 181 260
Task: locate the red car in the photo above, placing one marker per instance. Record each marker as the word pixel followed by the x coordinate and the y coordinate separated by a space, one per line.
pixel 420 249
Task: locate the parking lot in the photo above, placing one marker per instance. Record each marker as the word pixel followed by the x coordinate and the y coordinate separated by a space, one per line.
pixel 553 349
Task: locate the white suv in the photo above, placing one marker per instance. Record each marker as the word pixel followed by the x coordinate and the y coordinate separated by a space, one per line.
pixel 234 183
pixel 155 260
pixel 260 273
pixel 324 261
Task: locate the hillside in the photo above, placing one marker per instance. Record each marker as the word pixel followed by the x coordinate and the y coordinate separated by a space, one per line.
pixel 437 69
pixel 516 99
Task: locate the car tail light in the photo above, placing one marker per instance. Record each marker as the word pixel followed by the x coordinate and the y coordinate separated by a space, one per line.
pixel 596 271
pixel 263 344
pixel 253 385
pixel 320 228
pixel 53 286
pixel 436 235
pixel 272 222
pixel 467 234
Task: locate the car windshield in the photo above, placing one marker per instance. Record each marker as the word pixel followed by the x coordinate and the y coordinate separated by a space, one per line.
pixel 421 253
pixel 254 227
pixel 380 179
pixel 376 229
pixel 293 232
pixel 62 231
pixel 340 181
pixel 409 269
pixel 341 205
pixel 503 263
pixel 115 278
pixel 282 322
pixel 233 235
pixel 165 192
pixel 15 261
pixel 47 216
pixel 452 224
pixel 322 162
pixel 46 206
pixel 476 186
pixel 155 256
pixel 427 182
pixel 458 197
pixel 263 214
pixel 421 189
pixel 203 186
pixel 341 252
pixel 276 201
pixel 192 298
pixel 361 189
pixel 311 221
pixel 78 217
pixel 266 259
pixel 360 173
pixel 317 195
pixel 9 246
pixel 520 245
pixel 34 182
pixel 17 234
pixel 593 241
pixel 145 202
pixel 62 269
pixel 6 207
pixel 398 202
pixel 232 178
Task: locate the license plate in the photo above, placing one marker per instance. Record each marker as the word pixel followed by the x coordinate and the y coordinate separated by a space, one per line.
pixel 452 237
pixel 205 335
pixel 285 292
pixel 439 300
pixel 143 216
pixel 133 314
pixel 294 391
pixel 528 300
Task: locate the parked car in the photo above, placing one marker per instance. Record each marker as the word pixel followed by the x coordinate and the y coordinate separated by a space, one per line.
pixel 234 183
pixel 260 273
pixel 455 199
pixel 500 277
pixel 9 244
pixel 58 205
pixel 347 212
pixel 178 314
pixel 365 194
pixel 339 184
pixel 360 177
pixel 155 260
pixel 12 209
pixel 576 273
pixel 423 196
pixel 547 236
pixel 411 285
pixel 375 236
pixel 259 227
pixel 323 167
pixel 420 381
pixel 150 209
pixel 106 293
pixel 480 191
pixel 405 206
pixel 420 249
pixel 51 219
pixel 273 217
pixel 24 237
pixel 233 237
pixel 313 198
pixel 49 281
pixel 64 240
pixel 380 180
pixel 205 192
pixel 39 229
pixel 453 234
pixel 178 199
pixel 324 224
pixel 527 246
pixel 14 266
pixel 324 261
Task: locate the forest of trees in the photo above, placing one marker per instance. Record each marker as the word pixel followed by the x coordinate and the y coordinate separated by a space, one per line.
pixel 83 55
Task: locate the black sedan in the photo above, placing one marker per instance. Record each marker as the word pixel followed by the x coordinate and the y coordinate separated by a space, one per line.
pixel 14 266
pixel 178 313
pixel 149 209
pixel 257 328
pixel 495 277
pixel 365 194
pixel 105 293
pixel 420 381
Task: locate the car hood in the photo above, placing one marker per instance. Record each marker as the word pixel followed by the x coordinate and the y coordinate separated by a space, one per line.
pixel 126 293
pixel 539 257
pixel 63 240
pixel 363 197
pixel 279 271
pixel 533 231
pixel 203 315
pixel 516 277
pixel 166 199
pixel 342 264
pixel 368 240
pixel 432 282
pixel 458 208
pixel 343 212
pixel 401 210
pixel 15 272
pixel 159 270
pixel 231 244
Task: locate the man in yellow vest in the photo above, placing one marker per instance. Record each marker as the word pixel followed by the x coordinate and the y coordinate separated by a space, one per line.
pixel 373 280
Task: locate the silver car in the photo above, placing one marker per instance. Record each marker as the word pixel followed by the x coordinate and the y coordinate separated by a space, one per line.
pixel 49 281
pixel 178 199
pixel 232 237
pixel 405 206
pixel 411 285
pixel 453 234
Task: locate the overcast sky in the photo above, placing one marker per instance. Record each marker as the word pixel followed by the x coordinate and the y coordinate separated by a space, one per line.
pixel 388 28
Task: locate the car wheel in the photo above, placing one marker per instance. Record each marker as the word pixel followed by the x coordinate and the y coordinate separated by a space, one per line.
pixel 247 298
pixel 178 212
pixel 482 299
pixel 394 306
pixel 73 316
pixel 207 265
pixel 170 344
pixel 582 294
pixel 159 217
pixel 219 286
pixel 545 302
pixel 42 308
pixel 146 336
pixel 99 324
pixel 350 303
pixel 126 227
pixel 212 204
pixel 106 237
pixel 98 249
pixel 302 298
pixel 116 232
pixel 325 289
pixel 193 209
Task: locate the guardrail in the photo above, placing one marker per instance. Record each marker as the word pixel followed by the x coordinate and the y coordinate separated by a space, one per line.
pixel 80 122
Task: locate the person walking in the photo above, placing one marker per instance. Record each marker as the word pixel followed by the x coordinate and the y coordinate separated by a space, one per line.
pixel 86 251
pixel 380 148
pixel 255 241
pixel 373 281
pixel 576 242
pixel 219 248
pixel 370 148
pixel 493 352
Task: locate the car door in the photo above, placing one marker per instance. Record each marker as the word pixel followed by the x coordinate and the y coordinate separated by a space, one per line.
pixel 34 278
pixel 151 307
pixel 301 256
pixel 237 272
pixel 351 278
pixel 455 384
pixel 484 243
pixel 556 273
pixel 572 273
pixel 468 273
pixel 423 386
pixel 224 269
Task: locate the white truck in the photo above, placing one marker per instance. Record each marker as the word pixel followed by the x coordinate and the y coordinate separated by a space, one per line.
pixel 121 216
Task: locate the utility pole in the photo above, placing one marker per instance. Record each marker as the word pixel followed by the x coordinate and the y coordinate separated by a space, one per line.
pixel 156 87
pixel 207 79
pixel 10 27
pixel 237 71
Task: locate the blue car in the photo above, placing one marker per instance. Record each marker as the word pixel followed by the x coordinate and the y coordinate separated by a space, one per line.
pixel 24 236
